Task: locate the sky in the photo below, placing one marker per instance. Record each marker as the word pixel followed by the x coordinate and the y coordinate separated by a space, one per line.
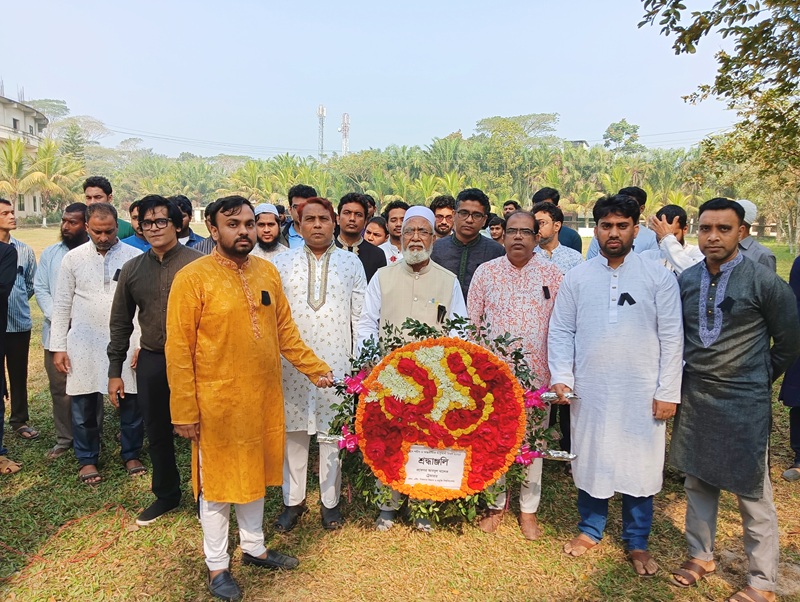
pixel 246 77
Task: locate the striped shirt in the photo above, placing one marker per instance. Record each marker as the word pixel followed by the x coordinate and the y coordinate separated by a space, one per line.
pixel 19 307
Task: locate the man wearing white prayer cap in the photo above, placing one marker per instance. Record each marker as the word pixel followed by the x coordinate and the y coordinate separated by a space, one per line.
pixel 749 246
pixel 414 287
pixel 268 232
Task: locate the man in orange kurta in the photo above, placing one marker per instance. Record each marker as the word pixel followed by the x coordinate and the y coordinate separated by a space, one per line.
pixel 228 323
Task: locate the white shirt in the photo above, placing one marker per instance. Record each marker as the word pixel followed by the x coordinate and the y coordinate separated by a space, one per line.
pixel 81 313
pixel 673 255
pixel 617 359
pixel 393 254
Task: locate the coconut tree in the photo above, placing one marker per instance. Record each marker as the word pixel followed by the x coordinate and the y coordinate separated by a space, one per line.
pixel 13 169
pixel 427 185
pixel 53 175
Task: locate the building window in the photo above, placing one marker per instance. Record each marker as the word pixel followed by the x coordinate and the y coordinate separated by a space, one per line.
pixel 30 129
pixel 35 203
pixel 20 202
pixel 15 124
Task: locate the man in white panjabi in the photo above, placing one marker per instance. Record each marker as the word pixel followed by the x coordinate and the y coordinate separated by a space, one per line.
pixel 415 287
pixel 80 334
pixel 325 288
pixel 616 340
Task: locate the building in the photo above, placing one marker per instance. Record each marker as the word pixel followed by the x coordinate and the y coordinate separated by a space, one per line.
pixel 18 121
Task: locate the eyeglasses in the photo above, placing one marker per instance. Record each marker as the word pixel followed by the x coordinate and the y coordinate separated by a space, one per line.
pixel 475 215
pixel 158 224
pixel 512 232
pixel 421 232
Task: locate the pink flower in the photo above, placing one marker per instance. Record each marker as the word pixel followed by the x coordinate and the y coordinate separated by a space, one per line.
pixel 526 455
pixel 533 399
pixel 348 441
pixel 393 259
pixel 354 383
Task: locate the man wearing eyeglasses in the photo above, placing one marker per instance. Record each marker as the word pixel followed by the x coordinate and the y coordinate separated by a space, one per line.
pixel 144 284
pixel 518 280
pixel 414 287
pixel 297 195
pixel 463 252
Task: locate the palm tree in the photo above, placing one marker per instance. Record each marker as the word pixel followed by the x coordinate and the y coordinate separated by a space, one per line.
pixel 452 182
pixel 53 175
pixel 13 164
pixel 427 186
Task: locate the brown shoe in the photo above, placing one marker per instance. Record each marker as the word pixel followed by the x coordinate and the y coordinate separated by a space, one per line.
pixel 491 521
pixel 529 525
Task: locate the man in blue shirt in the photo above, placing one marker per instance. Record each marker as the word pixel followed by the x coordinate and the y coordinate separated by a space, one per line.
pixel 18 331
pixel 137 240
pixel 297 195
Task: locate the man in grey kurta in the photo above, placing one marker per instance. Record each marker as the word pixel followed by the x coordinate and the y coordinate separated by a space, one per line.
pixel 732 307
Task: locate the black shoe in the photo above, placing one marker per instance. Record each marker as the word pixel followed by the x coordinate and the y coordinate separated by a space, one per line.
pixel 224 587
pixel 331 518
pixel 289 517
pixel 155 511
pixel 274 560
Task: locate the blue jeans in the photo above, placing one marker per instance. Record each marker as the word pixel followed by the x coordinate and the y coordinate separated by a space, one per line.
pixel 86 416
pixel 637 518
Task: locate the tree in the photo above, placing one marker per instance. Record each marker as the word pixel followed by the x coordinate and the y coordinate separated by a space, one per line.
pixel 13 169
pixel 73 146
pixel 622 137
pixel 52 108
pixel 524 130
pixel 53 174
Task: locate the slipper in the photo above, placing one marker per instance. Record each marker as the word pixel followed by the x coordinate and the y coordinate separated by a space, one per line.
pixel 643 557
pixel 331 518
pixel 580 544
pixel 135 471
pixel 684 571
pixel 9 466
pixel 56 452
pixel 792 474
pixel 87 476
pixel 748 594
pixel 27 433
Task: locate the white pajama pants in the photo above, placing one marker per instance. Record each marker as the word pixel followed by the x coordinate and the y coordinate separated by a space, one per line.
pixel 295 469
pixel 215 519
pixel 530 492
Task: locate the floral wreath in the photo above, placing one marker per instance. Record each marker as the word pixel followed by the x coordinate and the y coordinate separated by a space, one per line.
pixel 442 393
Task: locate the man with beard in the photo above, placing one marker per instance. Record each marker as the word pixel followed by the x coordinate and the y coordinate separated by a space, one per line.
pixel 79 337
pixel 518 280
pixel 73 234
pixel 510 207
pixel 187 236
pixel 325 289
pixel 393 214
pixel 444 208
pixel 228 323
pixel 674 253
pixel 143 285
pixel 415 287
pixel 463 252
pixel 616 339
pixel 268 233
pixel 353 208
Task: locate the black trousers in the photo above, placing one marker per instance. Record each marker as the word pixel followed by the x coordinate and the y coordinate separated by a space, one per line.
pixel 560 413
pixel 153 391
pixel 17 346
pixel 794 433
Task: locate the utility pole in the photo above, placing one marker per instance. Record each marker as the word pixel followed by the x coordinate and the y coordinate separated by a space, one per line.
pixel 345 130
pixel 321 112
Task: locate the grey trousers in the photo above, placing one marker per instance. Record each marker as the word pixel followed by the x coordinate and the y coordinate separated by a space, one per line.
pixel 759 520
pixel 62 405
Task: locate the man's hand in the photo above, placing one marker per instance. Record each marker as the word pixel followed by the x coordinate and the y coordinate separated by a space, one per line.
pixel 61 362
pixel 663 410
pixel 561 390
pixel 188 431
pixel 116 391
pixel 661 227
pixel 325 381
pixel 135 358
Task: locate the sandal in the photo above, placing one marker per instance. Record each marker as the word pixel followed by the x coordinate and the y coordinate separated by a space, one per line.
pixel 135 471
pixel 748 594
pixel 579 545
pixel 686 571
pixel 86 478
pixel 26 433
pixel 56 452
pixel 643 558
pixel 287 520
pixel 331 518
pixel 9 466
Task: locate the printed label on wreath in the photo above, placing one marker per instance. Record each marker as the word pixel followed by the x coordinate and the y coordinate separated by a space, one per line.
pixel 438 467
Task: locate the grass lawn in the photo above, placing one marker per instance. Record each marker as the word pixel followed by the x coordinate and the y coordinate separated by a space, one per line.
pixel 60 540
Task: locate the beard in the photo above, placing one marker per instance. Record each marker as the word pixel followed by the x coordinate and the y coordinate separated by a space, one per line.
pixel 416 257
pixel 73 241
pixel 268 246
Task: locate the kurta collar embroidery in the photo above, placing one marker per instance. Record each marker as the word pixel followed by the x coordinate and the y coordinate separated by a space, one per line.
pixel 315 297
pixel 351 248
pixel 711 289
pixel 251 303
